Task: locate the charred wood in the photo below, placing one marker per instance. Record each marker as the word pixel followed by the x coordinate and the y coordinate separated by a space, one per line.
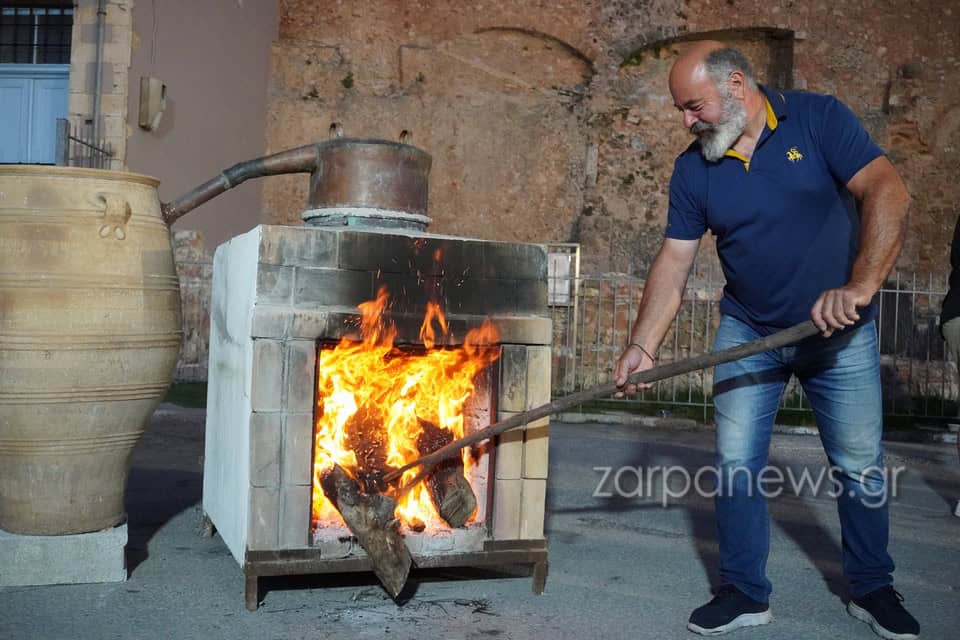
pixel 371 519
pixel 449 489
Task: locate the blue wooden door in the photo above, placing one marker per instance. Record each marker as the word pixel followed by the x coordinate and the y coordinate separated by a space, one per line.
pixel 32 97
pixel 14 119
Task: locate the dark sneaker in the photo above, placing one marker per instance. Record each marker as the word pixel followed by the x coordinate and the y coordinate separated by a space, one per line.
pixel 730 609
pixel 881 609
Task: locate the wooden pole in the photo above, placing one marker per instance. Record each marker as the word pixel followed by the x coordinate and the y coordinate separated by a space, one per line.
pixel 780 339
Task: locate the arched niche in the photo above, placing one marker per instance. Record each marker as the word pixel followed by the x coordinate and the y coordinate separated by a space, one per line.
pixel 505 59
pixel 770 49
pixel 499 110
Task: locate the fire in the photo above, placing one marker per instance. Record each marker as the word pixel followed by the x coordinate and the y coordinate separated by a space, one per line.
pixel 370 396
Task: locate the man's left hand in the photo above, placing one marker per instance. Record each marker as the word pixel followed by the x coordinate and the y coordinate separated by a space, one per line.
pixel 837 308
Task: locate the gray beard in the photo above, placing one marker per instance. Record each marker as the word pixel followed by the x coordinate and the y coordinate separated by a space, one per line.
pixel 715 139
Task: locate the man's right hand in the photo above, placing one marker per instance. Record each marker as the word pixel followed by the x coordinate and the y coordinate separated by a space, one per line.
pixel 631 361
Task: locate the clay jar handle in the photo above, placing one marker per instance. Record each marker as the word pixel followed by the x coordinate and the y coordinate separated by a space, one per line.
pixel 116 214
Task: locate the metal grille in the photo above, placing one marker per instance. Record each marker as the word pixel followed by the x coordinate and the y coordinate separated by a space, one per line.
pixel 38 33
pixel 76 147
pixel 589 334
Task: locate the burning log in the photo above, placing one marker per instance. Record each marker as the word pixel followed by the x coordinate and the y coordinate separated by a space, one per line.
pixel 449 489
pixel 371 519
pixel 365 438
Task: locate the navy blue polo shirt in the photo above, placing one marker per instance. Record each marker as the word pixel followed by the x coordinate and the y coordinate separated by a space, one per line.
pixel 787 228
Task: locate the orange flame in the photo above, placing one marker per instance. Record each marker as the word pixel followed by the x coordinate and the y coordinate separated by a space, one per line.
pixel 370 395
pixel 427 334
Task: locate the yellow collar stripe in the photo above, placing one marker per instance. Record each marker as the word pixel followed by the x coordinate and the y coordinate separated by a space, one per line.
pixel 736 154
pixel 772 120
pixel 772 123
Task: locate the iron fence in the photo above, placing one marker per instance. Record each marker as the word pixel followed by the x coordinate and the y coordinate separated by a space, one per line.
pixel 592 324
pixel 76 147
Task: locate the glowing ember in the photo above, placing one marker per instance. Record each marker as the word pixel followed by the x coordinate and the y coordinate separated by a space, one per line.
pixel 370 395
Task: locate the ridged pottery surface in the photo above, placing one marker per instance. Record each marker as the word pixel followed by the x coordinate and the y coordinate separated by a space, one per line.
pixel 89 335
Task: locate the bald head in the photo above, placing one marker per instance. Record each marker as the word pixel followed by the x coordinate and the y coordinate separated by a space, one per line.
pixel 710 60
pixel 691 65
pixel 712 87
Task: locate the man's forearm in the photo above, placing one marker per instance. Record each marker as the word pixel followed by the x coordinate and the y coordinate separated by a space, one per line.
pixel 883 214
pixel 662 295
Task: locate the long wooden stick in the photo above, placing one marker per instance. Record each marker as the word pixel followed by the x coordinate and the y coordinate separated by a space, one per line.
pixel 780 339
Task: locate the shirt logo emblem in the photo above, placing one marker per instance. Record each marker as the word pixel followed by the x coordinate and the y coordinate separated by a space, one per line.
pixel 794 155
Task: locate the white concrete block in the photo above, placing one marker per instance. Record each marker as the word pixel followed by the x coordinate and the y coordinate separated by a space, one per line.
pixel 525 329
pixel 533 504
pixel 300 376
pixel 297 462
pixel 429 542
pixel 265 439
pixel 271 321
pixel 295 517
pixel 509 455
pixel 513 378
pixel 538 376
pixel 264 518
pixel 308 323
pixel 536 449
pixel 266 393
pixel 71 559
pixel 226 473
pixel 469 538
pixel 506 509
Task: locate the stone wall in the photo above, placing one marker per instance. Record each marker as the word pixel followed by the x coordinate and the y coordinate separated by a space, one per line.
pixel 114 63
pixel 897 65
pixel 195 273
pixel 214 59
pixel 551 122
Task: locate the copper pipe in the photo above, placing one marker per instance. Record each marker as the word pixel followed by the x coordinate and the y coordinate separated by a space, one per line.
pixel 300 160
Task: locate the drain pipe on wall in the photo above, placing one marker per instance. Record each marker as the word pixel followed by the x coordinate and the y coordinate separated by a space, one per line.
pixel 98 82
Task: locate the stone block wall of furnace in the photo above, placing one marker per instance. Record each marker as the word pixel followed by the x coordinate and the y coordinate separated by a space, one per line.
pixel 552 122
pixel 277 290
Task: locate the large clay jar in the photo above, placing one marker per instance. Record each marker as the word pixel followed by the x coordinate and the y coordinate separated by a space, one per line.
pixel 89 335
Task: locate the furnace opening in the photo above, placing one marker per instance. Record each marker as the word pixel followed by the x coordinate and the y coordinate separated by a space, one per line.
pixel 380 405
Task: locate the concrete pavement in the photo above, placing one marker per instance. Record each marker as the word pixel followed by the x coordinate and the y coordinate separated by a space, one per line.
pixel 620 567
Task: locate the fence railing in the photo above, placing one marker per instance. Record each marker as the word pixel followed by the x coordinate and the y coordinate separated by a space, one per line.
pixel 76 147
pixel 592 327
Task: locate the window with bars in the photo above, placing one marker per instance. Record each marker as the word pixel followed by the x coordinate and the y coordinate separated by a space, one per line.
pixel 35 32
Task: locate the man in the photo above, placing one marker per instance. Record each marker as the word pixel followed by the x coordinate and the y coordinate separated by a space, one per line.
pixel 779 177
pixel 950 313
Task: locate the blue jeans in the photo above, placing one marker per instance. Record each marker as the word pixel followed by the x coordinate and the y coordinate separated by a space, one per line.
pixel 840 376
